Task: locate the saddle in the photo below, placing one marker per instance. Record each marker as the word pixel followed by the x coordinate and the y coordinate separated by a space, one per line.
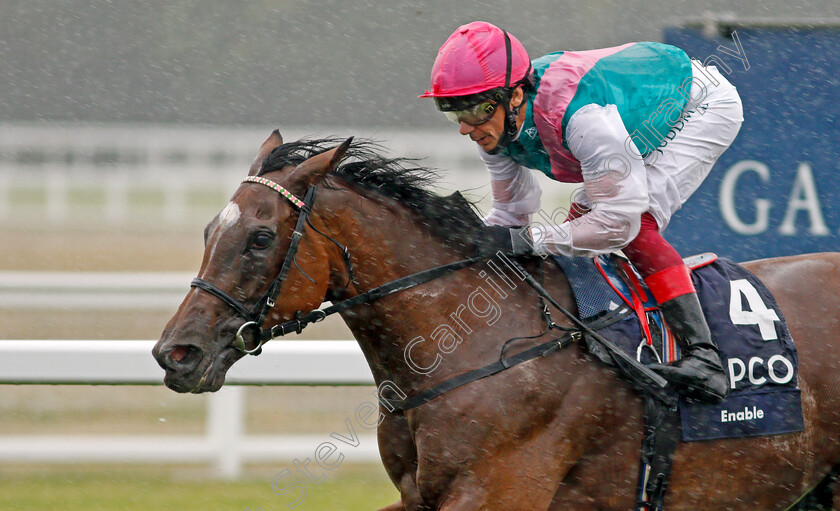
pixel 756 347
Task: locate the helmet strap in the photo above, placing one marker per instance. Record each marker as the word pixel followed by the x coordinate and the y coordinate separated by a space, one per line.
pixel 510 128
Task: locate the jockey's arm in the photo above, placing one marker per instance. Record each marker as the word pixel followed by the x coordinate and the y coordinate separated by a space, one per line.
pixel 516 192
pixel 615 184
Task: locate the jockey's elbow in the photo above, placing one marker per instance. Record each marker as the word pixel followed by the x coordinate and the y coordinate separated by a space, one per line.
pixel 627 230
pixel 620 223
pixel 617 231
pixel 602 233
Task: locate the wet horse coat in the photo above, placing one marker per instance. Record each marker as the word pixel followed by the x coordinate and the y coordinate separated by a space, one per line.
pixel 559 432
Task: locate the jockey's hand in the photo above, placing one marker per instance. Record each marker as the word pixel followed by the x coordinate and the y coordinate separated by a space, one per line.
pixel 507 240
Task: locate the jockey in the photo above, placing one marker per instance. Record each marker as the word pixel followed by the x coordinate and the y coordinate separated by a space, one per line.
pixel 639 125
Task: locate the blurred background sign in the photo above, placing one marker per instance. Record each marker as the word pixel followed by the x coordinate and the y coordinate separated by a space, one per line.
pixel 775 191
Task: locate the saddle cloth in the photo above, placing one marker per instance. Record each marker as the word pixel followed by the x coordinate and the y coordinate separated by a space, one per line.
pixel 757 349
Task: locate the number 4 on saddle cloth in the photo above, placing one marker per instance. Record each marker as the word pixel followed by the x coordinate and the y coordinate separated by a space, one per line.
pixel 756 347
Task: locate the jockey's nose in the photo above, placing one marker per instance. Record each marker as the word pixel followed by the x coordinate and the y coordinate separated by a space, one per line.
pixel 465 129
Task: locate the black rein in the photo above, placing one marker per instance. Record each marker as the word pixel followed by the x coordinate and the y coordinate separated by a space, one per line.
pixel 256 315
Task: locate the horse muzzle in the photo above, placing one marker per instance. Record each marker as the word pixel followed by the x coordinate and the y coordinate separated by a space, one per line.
pixel 196 361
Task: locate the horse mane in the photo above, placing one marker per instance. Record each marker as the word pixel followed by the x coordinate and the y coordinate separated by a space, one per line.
pixel 451 219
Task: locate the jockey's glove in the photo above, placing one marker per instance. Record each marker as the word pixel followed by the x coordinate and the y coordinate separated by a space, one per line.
pixel 514 241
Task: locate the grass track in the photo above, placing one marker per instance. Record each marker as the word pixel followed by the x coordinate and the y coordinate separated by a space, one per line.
pixel 149 488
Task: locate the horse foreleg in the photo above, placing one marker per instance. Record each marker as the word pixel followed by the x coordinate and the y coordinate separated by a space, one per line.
pixel 399 456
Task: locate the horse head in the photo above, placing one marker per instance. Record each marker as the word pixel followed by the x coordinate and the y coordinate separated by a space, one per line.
pixel 239 288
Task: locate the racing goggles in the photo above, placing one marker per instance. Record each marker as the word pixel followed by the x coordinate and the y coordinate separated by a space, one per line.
pixel 474 115
pixel 473 110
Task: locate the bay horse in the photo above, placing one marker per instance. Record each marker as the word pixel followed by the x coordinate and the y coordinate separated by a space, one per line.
pixel 556 432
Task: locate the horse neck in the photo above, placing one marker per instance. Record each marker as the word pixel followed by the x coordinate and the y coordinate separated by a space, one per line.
pixel 385 239
pixel 428 333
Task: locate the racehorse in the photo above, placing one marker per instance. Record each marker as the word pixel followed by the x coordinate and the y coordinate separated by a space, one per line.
pixel 560 431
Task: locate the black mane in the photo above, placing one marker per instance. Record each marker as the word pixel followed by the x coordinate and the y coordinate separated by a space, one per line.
pixel 451 218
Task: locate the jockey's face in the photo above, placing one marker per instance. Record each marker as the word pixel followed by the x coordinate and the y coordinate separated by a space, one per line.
pixel 487 135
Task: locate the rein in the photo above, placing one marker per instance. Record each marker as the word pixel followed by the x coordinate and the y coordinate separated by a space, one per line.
pixel 255 317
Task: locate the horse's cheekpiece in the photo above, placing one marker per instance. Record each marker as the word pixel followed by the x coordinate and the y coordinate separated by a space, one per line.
pixel 756 347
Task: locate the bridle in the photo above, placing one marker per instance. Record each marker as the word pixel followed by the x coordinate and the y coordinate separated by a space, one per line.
pixel 255 316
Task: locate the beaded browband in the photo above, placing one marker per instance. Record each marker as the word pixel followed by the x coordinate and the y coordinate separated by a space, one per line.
pixel 277 188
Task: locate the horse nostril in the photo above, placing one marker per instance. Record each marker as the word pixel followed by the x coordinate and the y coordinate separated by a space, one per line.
pixel 178 353
pixel 184 356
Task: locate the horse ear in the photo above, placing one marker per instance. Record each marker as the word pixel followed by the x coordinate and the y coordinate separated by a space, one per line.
pixel 313 170
pixel 273 140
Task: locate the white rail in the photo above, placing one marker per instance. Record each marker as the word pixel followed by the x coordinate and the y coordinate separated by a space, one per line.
pixel 122 291
pixel 130 362
pixel 64 174
pixel 26 290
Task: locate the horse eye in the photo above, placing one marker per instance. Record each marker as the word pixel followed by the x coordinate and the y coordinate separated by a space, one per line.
pixel 261 240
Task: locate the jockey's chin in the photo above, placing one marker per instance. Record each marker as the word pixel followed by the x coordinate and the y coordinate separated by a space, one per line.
pixel 487 142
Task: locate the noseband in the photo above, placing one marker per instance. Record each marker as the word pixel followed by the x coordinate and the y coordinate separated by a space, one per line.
pixel 255 316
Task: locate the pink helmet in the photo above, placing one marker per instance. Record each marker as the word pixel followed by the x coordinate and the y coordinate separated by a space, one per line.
pixel 478 57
